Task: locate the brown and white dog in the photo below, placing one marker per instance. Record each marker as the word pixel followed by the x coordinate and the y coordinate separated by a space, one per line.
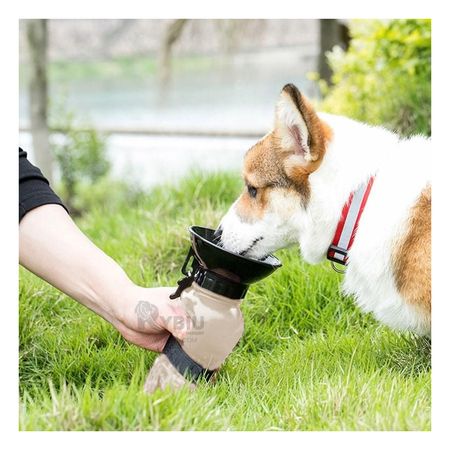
pixel 300 177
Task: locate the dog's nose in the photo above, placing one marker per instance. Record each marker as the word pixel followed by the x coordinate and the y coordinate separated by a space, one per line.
pixel 218 234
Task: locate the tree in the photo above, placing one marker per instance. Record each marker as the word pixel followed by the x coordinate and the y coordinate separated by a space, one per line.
pixel 171 35
pixel 37 37
pixel 332 32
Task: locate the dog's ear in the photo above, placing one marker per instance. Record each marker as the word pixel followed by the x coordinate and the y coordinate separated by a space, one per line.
pixel 298 129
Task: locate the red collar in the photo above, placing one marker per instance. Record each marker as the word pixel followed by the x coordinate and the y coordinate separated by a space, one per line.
pixel 348 223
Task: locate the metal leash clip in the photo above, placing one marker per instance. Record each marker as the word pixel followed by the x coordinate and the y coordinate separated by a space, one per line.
pixel 341 271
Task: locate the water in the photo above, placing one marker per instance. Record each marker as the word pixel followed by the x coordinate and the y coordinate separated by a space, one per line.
pixel 227 97
pixel 150 160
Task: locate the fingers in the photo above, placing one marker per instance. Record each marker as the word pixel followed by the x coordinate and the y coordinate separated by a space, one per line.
pixel 151 315
pixel 177 322
pixel 154 342
pixel 156 312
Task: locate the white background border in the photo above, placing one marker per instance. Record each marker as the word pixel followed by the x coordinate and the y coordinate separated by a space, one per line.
pixel 229 9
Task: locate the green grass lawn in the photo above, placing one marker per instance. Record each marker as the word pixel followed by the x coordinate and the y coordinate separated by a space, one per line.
pixel 309 359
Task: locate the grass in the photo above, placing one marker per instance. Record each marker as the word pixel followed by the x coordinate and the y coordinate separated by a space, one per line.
pixel 309 359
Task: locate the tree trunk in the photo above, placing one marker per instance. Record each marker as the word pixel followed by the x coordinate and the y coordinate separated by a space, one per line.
pixel 37 43
pixel 332 33
pixel 171 35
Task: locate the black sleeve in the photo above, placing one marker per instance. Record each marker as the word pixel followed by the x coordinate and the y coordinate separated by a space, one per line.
pixel 34 189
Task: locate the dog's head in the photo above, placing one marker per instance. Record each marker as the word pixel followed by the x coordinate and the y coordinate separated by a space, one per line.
pixel 276 172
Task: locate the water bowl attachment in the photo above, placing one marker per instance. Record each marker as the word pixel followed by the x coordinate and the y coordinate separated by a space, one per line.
pixel 215 258
pixel 218 270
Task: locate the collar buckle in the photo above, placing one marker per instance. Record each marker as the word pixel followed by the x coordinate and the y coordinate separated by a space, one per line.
pixel 334 250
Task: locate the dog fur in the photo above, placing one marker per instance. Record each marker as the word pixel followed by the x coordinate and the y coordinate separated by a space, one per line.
pixel 298 178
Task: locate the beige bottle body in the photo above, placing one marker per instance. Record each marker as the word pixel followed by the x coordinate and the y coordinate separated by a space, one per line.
pixel 216 326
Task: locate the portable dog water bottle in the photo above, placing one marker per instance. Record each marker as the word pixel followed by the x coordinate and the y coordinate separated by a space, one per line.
pixel 211 294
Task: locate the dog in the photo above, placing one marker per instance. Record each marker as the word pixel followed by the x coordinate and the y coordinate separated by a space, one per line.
pixel 309 174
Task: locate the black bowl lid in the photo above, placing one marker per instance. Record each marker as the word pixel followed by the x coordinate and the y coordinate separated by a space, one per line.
pixel 213 257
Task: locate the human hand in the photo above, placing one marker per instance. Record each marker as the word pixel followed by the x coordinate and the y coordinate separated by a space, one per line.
pixel 147 316
pixel 54 248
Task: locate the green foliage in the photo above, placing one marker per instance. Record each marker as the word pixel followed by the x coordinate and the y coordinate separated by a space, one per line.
pixel 81 159
pixel 309 359
pixel 384 78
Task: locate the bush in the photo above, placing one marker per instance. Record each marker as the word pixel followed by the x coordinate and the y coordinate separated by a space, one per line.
pixel 81 159
pixel 384 78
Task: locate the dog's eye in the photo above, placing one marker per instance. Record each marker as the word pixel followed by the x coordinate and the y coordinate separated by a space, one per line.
pixel 252 191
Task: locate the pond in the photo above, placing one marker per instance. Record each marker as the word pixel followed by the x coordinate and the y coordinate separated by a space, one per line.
pixel 231 97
